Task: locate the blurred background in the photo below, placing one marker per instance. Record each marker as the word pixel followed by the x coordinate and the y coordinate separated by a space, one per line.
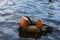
pixel 12 10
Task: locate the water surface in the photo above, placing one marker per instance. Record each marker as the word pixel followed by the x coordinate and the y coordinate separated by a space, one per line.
pixel 12 10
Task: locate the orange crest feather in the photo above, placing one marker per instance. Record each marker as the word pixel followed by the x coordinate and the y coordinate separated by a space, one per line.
pixel 39 23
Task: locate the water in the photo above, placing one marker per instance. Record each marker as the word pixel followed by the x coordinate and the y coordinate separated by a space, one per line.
pixel 12 10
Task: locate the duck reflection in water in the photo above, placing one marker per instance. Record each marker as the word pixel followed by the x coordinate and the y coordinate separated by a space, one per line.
pixel 34 32
pixel 35 35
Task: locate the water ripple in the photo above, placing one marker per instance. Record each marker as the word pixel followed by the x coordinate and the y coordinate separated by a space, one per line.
pixel 12 10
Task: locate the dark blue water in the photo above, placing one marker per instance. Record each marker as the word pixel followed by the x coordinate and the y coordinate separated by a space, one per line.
pixel 12 10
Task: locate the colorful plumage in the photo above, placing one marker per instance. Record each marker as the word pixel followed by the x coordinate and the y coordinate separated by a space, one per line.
pixel 39 23
pixel 25 21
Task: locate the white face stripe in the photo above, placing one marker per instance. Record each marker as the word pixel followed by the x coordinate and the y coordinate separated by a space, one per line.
pixel 26 19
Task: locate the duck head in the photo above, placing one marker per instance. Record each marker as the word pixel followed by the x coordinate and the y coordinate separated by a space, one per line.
pixel 24 22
